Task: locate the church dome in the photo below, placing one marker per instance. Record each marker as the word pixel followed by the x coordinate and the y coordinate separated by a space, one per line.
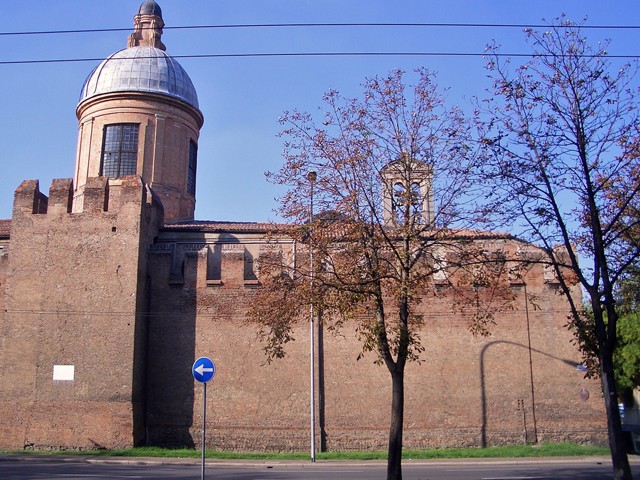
pixel 140 69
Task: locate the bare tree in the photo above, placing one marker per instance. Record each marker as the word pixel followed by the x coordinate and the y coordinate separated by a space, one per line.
pixel 561 132
pixel 392 185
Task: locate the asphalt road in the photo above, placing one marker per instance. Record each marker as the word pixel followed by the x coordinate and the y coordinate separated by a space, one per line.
pixel 22 467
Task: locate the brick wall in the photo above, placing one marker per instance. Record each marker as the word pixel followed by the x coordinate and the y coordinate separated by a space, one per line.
pixel 5 227
pixel 467 391
pixel 131 307
pixel 74 287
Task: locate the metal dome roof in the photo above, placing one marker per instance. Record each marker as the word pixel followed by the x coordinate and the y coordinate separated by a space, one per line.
pixel 140 69
pixel 150 8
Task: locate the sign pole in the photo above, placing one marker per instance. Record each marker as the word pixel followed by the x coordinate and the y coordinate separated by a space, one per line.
pixel 203 370
pixel 204 423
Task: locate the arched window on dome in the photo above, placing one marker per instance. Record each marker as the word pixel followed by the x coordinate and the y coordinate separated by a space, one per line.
pixel 193 165
pixel 119 150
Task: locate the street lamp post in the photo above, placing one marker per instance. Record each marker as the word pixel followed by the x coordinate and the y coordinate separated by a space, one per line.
pixel 311 176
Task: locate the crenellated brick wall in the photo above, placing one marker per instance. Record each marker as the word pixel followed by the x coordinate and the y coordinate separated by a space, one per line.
pixel 105 310
pixel 72 331
pixel 519 383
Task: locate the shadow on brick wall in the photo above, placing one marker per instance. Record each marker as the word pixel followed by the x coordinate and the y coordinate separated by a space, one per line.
pixel 526 396
pixel 171 341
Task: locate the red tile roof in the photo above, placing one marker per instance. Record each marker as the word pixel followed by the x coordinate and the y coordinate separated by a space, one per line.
pixel 265 227
pixel 214 226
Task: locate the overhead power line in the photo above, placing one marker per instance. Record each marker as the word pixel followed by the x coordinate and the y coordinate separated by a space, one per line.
pixel 324 25
pixel 316 54
pixel 321 54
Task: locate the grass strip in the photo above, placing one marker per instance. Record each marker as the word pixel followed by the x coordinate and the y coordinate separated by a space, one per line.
pixel 511 451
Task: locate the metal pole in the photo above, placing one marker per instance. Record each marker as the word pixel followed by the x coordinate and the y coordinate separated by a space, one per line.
pixel 311 176
pixel 533 391
pixel 204 425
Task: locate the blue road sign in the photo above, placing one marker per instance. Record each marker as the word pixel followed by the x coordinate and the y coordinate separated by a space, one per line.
pixel 203 369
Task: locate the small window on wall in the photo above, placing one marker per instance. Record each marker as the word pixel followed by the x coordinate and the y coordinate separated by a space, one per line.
pixel 193 164
pixel 119 150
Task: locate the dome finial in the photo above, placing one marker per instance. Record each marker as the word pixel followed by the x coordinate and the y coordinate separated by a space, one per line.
pixel 147 26
pixel 150 8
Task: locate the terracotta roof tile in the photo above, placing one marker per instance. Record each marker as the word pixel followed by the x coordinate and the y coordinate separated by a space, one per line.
pixel 215 226
pixel 265 227
pixel 261 227
pixel 479 234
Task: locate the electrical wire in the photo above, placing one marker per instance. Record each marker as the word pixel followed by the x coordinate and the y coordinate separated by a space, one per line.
pixel 326 54
pixel 324 25
pixel 318 54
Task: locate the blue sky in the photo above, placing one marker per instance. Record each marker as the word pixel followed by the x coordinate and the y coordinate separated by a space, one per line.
pixel 242 98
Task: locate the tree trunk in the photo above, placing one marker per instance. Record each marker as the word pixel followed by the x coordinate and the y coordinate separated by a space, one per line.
pixel 617 444
pixel 394 462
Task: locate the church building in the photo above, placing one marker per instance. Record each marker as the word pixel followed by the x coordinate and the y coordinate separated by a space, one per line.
pixel 109 290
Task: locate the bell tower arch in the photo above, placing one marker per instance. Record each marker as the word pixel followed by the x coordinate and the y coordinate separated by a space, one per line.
pixel 407 180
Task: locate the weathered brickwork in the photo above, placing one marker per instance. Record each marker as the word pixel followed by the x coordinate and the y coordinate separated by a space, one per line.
pixel 131 305
pixel 5 228
pixel 109 292
pixel 166 129
pixel 519 384
pixel 74 283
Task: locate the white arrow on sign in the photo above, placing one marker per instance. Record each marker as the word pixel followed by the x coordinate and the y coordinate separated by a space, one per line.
pixel 200 369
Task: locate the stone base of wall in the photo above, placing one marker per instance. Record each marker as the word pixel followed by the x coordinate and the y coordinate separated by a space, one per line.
pixel 65 426
pixel 244 439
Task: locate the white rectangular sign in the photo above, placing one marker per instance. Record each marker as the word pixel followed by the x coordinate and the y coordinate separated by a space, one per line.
pixel 63 372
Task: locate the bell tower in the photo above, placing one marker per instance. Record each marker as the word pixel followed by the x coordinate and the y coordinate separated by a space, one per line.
pixel 407 180
pixel 139 115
